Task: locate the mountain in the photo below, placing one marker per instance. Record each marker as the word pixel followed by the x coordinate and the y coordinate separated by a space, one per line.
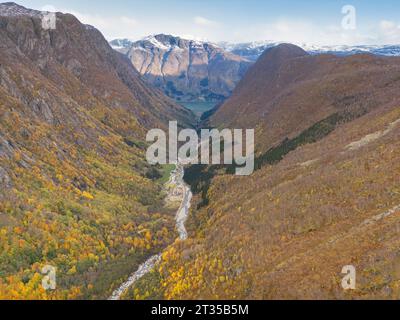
pixel 253 50
pixel 249 50
pixel 187 70
pixel 386 50
pixel 324 194
pixel 76 190
pixel 288 80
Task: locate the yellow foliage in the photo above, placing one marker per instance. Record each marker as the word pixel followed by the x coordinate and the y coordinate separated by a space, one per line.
pixel 87 195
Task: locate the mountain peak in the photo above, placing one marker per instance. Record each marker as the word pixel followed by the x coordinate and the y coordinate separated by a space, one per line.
pixel 167 42
pixel 162 41
pixel 286 51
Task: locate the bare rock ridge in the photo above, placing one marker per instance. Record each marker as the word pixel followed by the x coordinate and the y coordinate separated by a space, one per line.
pixel 185 70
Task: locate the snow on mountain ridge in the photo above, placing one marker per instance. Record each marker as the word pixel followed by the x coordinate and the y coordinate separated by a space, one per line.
pixel 170 42
pixel 11 9
pixel 252 50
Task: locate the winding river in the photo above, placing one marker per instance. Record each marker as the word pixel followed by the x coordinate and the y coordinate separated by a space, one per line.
pixel 180 218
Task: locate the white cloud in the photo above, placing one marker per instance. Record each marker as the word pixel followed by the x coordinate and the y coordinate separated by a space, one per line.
pixel 281 30
pixel 204 22
pixel 111 26
pixel 389 32
pixel 306 32
pixel 387 25
pixel 129 21
pixel 48 8
pixel 191 37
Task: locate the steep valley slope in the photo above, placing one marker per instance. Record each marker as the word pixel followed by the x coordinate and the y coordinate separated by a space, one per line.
pixel 76 192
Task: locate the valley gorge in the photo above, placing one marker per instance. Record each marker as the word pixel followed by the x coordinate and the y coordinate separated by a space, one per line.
pixel 78 193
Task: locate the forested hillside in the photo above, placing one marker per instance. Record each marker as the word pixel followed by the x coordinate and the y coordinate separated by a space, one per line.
pixel 325 194
pixel 76 190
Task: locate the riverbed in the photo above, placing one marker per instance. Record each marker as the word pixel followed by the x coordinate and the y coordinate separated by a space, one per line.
pixel 178 189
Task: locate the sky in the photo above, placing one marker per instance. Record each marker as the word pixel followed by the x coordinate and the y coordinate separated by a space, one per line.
pixel 319 22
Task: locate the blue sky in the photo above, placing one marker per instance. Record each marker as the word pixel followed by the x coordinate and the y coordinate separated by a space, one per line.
pixel 308 21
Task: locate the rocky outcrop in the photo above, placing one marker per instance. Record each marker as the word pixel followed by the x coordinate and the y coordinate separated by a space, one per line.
pixel 5 181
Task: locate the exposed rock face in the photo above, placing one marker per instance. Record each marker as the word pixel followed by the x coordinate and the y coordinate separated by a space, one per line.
pixel 187 70
pixel 6 150
pixel 73 52
pixel 70 82
pixel 5 181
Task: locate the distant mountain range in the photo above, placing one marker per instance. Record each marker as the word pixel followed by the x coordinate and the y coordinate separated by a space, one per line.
pixel 253 50
pixel 185 70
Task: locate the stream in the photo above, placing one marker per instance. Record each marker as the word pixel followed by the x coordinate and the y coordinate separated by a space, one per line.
pixel 180 218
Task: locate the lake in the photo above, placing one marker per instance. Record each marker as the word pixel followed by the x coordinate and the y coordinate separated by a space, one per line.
pixel 199 107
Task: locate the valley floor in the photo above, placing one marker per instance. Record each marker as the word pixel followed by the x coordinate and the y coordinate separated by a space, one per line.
pixel 178 192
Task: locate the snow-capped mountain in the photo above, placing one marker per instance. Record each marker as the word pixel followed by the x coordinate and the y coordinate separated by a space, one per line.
pixel 252 50
pixel 186 70
pixel 121 45
pixel 386 50
pixel 248 50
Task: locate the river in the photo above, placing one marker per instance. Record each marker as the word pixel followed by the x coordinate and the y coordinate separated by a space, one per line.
pixel 181 217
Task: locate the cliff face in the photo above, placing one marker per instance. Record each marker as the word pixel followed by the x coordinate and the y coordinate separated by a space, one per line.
pixel 187 70
pixel 79 52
